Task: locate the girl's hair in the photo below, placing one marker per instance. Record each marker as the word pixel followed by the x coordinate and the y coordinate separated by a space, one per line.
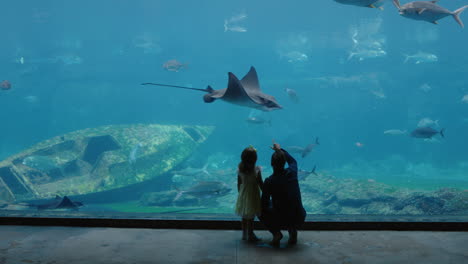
pixel 248 160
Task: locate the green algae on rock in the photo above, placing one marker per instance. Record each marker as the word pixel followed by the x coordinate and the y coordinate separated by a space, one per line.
pixel 97 159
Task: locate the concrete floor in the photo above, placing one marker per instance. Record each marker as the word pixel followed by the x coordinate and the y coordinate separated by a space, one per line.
pixel 27 244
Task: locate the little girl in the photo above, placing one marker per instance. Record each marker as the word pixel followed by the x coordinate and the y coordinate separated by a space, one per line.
pixel 249 184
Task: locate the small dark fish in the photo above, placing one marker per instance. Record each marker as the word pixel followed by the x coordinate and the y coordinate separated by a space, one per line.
pixel 5 85
pixel 427 11
pixel 426 132
pixel 174 65
pixel 206 189
pixel 57 203
pixel 303 174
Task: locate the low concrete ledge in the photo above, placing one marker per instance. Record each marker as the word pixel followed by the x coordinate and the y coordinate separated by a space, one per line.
pixel 223 222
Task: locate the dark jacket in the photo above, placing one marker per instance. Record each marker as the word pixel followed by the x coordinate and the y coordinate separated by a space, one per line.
pixel 285 195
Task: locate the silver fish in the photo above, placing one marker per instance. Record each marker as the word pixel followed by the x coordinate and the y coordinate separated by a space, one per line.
pixel 295 56
pixel 395 132
pixel 363 54
pixel 427 11
pixel 304 151
pixel 303 174
pixel 421 57
pixel 258 120
pixel 228 23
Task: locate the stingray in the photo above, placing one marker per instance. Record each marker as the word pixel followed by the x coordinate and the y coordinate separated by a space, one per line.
pixel 57 203
pixel 245 92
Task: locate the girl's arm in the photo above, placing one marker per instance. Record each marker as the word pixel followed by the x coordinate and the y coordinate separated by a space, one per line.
pixel 239 182
pixel 260 180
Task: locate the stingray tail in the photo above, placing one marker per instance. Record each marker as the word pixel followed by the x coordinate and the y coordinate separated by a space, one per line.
pixel 456 15
pixel 209 89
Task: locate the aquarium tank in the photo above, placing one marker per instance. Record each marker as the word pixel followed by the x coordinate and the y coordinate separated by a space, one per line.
pixel 128 108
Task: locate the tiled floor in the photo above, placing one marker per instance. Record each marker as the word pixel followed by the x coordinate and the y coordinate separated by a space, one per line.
pixel 27 244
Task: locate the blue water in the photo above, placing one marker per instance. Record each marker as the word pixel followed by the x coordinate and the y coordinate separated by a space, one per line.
pixel 51 96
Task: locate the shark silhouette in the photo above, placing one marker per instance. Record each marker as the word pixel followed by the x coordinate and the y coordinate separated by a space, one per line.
pixel 245 92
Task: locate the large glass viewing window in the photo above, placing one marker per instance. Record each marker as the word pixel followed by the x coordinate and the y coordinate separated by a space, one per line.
pixel 373 105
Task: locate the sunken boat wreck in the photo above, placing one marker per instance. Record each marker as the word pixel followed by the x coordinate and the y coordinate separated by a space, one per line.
pixel 97 159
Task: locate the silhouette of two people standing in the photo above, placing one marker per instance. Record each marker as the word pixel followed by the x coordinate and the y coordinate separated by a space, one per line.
pixel 280 204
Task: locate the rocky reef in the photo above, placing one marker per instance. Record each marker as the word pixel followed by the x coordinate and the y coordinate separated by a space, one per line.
pixel 325 194
pixel 328 194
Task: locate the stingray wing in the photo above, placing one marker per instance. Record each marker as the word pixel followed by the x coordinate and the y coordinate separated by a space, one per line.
pixel 245 92
pixel 250 81
pixel 235 92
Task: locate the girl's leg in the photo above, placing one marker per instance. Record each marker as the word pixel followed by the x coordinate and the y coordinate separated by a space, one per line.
pixel 244 229
pixel 251 234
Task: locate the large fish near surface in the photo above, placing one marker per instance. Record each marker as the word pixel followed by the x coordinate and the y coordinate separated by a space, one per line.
pixel 364 3
pixel 427 11
pixel 426 132
pixel 206 189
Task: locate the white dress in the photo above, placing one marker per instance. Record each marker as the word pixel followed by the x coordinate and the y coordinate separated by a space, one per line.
pixel 248 203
